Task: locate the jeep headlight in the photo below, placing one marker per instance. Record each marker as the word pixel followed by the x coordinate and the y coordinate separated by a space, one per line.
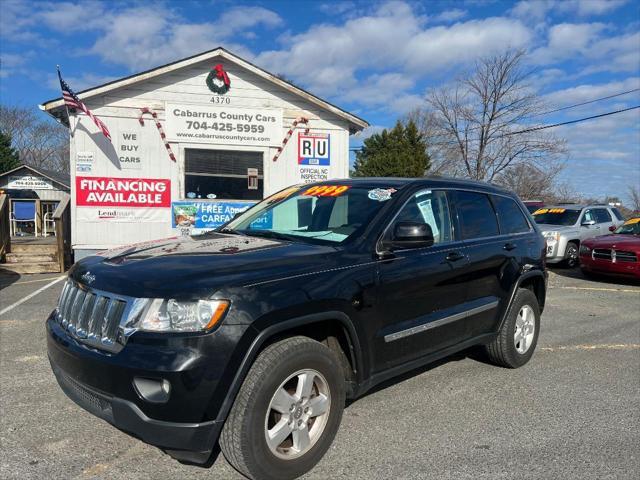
pixel 182 316
pixel 551 236
pixel 584 250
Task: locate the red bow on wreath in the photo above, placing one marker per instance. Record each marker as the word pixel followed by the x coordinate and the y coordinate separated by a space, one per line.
pixel 222 75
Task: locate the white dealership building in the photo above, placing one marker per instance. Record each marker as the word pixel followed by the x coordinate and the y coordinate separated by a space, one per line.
pixel 193 142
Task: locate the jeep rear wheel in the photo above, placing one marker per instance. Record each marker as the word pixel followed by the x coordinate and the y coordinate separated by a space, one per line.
pixel 518 336
pixel 287 412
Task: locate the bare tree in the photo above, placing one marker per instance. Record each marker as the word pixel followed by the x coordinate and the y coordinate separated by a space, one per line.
pixel 529 181
pixel 41 142
pixel 634 196
pixel 476 124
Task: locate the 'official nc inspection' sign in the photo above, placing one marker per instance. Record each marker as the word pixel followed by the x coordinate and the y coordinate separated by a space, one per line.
pixel 193 217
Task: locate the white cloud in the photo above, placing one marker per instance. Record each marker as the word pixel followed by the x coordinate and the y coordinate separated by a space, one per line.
pixel 79 83
pixel 537 10
pixel 442 47
pixel 598 7
pixel 615 54
pixel 567 39
pixel 449 15
pixel 328 57
pixel 588 92
pixel 138 36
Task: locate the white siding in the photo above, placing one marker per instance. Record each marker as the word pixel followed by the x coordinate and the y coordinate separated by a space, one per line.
pixel 120 110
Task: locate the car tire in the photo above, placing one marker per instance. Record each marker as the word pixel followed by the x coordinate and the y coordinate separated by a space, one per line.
pixel 571 258
pixel 518 336
pixel 273 395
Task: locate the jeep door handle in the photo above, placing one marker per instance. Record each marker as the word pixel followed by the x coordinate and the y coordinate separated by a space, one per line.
pixel 454 256
pixel 510 246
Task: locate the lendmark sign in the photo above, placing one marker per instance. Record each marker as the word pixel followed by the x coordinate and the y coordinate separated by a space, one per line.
pixel 123 192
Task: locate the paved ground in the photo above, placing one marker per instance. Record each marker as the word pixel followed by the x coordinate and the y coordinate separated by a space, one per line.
pixel 573 412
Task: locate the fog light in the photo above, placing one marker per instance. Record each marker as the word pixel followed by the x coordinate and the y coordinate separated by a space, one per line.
pixel 152 390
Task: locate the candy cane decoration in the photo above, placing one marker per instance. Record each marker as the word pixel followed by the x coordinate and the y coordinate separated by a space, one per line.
pixel 290 132
pixel 160 129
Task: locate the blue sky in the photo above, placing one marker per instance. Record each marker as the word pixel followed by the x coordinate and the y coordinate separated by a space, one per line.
pixel 377 59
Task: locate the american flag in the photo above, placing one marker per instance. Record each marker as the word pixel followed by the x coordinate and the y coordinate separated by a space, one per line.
pixel 72 101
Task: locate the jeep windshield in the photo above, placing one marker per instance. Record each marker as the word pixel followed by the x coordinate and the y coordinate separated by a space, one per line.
pixel 325 214
pixel 556 216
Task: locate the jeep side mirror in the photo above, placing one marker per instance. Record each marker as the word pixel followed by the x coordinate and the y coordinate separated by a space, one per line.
pixel 412 235
pixel 588 223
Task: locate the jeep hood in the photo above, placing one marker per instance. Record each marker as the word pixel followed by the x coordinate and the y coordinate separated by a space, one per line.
pixel 193 267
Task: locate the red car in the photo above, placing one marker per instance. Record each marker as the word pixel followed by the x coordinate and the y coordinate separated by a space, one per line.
pixel 615 254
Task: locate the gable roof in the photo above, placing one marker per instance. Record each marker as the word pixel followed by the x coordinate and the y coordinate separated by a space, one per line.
pixel 53 107
pixel 63 179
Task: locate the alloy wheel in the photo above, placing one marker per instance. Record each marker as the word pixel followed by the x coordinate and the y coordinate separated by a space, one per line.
pixel 297 414
pixel 525 329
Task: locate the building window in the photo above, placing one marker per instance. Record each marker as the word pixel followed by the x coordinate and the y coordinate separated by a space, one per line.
pixel 227 174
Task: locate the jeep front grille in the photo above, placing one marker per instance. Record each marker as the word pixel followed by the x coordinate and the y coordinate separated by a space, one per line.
pixel 91 316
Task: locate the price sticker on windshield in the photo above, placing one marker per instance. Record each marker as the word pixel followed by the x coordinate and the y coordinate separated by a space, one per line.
pixel 326 190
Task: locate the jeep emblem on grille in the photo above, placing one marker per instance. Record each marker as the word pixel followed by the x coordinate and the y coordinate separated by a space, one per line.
pixel 88 278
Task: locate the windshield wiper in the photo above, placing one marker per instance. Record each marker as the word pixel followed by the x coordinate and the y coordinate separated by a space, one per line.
pixel 270 234
pixel 230 231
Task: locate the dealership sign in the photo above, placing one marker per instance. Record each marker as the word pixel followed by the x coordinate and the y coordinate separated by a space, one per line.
pixel 314 149
pixel 223 125
pixel 28 182
pixel 123 192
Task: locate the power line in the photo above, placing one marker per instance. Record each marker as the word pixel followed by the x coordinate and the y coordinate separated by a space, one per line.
pixel 567 107
pixel 585 103
pixel 543 127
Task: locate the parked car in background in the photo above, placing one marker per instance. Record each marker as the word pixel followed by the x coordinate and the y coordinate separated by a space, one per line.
pixel 615 254
pixel 533 205
pixel 253 335
pixel 565 227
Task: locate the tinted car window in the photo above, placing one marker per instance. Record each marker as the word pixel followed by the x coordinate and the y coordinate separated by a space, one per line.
pixel 510 216
pixel 556 216
pixel 617 213
pixel 602 215
pixel 431 208
pixel 476 215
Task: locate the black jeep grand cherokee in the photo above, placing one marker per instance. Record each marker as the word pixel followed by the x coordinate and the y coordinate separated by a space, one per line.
pixel 252 336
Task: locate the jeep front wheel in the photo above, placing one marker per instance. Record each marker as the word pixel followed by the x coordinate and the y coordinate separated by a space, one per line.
pixel 287 412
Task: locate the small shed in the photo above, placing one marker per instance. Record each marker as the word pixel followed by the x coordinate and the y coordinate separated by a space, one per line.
pixel 33 193
pixel 193 142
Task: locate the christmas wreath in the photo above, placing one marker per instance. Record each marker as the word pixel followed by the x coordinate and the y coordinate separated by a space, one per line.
pixel 218 80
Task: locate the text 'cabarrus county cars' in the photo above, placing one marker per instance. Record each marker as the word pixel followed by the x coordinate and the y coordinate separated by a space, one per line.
pixel 565 227
pixel 253 336
pixel 615 254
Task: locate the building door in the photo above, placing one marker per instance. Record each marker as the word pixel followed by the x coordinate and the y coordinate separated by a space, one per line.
pixel 223 174
pixel 24 219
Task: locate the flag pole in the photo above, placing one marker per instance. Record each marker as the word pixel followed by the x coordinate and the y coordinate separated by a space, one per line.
pixel 71 128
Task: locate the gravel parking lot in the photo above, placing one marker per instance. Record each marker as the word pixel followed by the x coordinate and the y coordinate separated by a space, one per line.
pixel 572 412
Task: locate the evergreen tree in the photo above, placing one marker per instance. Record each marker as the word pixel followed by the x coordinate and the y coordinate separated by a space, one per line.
pixel 8 156
pixel 399 152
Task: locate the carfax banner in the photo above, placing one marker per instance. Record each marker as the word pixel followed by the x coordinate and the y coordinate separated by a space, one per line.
pixel 193 217
pixel 223 125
